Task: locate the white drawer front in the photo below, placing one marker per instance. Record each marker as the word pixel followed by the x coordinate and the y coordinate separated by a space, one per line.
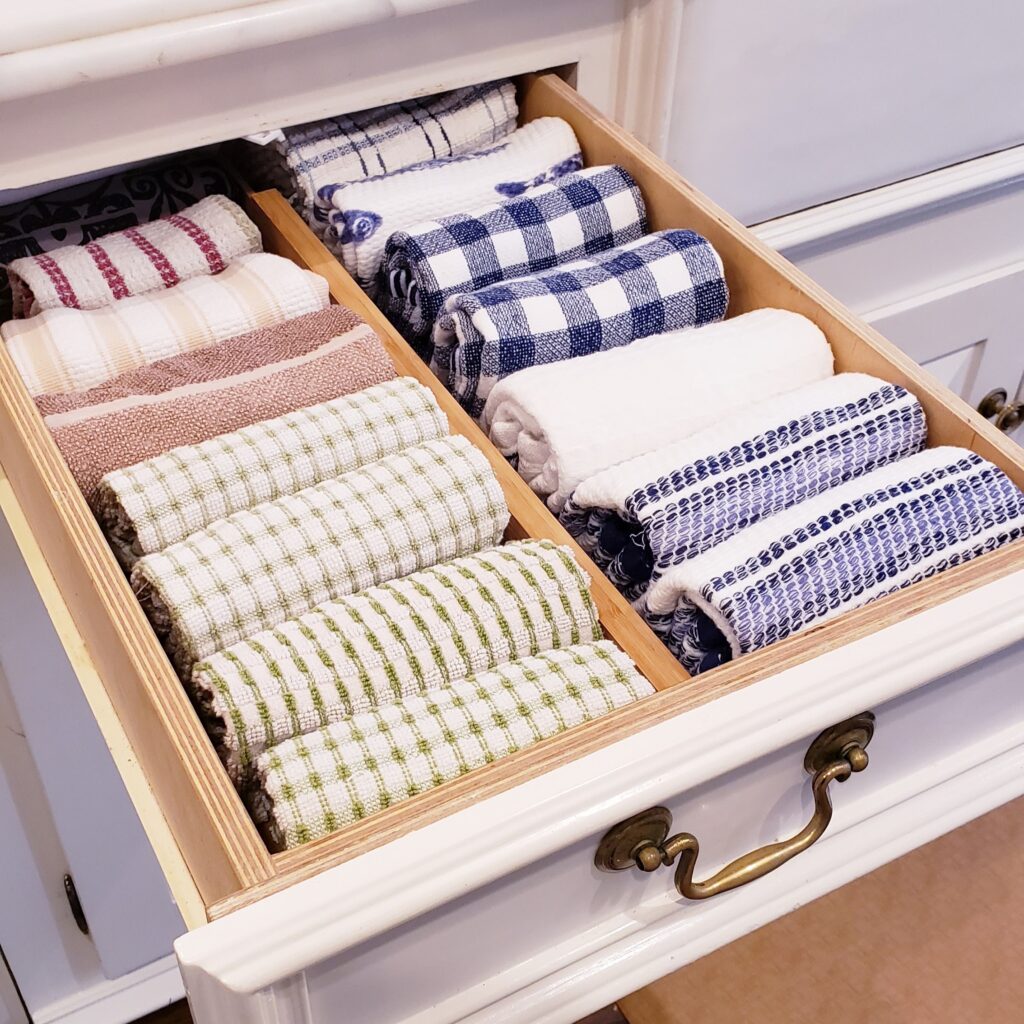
pixel 498 913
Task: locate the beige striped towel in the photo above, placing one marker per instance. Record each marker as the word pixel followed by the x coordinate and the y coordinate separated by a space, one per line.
pixel 201 239
pixel 259 567
pixel 152 504
pixel 401 639
pixel 312 785
pixel 71 349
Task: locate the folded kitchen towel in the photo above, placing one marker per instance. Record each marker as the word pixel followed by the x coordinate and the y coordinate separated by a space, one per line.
pixel 834 552
pixel 312 785
pixel 71 349
pixel 201 239
pixel 289 373
pixel 239 354
pixel 566 421
pixel 88 210
pixel 366 213
pixel 661 282
pixel 401 639
pixel 258 567
pixel 152 504
pixel 641 517
pixel 575 216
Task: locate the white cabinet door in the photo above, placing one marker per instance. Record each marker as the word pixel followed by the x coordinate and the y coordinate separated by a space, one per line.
pixel 970 335
pixel 12 1011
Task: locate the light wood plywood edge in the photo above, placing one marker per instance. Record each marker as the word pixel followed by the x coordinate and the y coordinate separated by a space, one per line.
pixel 179 878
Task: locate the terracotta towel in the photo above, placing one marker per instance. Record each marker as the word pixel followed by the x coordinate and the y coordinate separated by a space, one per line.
pixel 243 352
pixel 199 240
pixel 98 439
pixel 72 349
pixel 157 502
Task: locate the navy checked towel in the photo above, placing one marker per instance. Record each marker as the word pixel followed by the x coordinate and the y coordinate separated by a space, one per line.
pixel 832 553
pixel 576 216
pixel 641 517
pixel 661 282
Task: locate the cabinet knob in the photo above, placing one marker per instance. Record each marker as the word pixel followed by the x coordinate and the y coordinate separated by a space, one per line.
pixel 1008 415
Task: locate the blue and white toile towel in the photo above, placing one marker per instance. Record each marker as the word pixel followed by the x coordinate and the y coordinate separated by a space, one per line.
pixel 661 282
pixel 576 216
pixel 832 553
pixel 306 158
pixel 641 517
pixel 366 213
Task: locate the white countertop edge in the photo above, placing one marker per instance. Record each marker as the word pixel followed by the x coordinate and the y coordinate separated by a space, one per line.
pixel 74 62
pixel 290 931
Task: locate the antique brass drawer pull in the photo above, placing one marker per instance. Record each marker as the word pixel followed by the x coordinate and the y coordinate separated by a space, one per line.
pixel 642 841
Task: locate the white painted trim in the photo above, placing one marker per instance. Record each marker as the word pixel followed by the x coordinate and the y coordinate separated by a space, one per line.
pixel 150 47
pixel 950 184
pixel 288 932
pixel 120 1000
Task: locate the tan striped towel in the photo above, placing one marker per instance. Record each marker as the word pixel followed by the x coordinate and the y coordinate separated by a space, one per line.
pixel 122 431
pixel 201 239
pixel 312 785
pixel 259 567
pixel 153 504
pixel 401 639
pixel 71 349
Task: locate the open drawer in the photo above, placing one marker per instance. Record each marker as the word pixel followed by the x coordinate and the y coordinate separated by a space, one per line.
pixel 481 900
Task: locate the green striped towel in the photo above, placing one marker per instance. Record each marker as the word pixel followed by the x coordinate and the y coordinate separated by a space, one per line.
pixel 400 639
pixel 160 501
pixel 311 785
pixel 261 566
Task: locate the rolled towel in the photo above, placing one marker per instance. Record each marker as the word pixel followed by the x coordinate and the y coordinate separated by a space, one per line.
pixel 564 422
pixel 641 517
pixel 366 213
pixel 306 158
pixel 661 282
pixel 199 240
pixel 832 553
pixel 71 349
pixel 428 503
pixel 576 216
pixel 199 395
pixel 401 639
pixel 89 209
pixel 152 504
pixel 312 785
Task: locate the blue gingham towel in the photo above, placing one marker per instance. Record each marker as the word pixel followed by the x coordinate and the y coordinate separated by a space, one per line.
pixel 641 517
pixel 306 158
pixel 661 282
pixel 366 213
pixel 576 216
pixel 832 553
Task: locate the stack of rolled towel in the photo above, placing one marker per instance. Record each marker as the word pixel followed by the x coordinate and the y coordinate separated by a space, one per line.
pixel 321 560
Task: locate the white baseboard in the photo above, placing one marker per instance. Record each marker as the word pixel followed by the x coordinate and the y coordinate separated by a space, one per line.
pixel 119 1001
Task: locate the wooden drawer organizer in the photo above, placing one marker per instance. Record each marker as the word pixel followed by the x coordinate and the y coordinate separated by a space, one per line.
pixel 213 855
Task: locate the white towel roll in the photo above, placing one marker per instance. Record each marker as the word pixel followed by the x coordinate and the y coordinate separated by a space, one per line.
pixel 565 421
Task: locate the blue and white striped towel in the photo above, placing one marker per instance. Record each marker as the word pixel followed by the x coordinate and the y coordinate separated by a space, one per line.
pixel 832 553
pixel 318 155
pixel 641 517
pixel 661 282
pixel 578 215
pixel 366 213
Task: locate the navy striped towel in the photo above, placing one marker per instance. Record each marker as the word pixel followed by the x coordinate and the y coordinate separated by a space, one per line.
pixel 661 282
pixel 575 216
pixel 366 213
pixel 832 553
pixel 641 517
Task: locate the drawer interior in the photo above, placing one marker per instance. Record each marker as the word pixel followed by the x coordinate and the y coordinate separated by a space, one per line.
pixel 228 864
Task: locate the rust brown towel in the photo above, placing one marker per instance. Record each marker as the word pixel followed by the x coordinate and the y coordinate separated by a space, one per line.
pixel 257 376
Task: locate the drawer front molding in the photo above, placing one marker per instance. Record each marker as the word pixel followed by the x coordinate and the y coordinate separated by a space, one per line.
pixel 552 824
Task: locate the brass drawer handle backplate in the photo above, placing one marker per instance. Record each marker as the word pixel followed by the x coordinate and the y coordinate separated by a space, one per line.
pixel 643 841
